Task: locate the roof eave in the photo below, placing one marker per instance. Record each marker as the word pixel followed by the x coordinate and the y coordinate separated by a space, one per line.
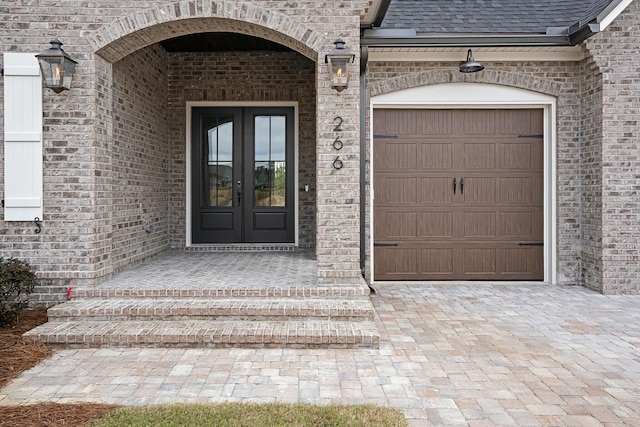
pixel 375 14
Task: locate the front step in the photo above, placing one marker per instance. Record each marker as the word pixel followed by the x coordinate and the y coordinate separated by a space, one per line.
pixel 223 292
pixel 183 316
pixel 210 309
pixel 208 333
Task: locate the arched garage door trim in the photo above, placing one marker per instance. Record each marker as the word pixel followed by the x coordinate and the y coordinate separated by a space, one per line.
pixel 484 96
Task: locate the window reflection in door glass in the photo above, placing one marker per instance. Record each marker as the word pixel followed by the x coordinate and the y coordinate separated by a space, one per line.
pixel 270 171
pixel 218 170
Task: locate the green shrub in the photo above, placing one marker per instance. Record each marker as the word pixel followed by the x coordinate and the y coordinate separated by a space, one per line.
pixel 17 280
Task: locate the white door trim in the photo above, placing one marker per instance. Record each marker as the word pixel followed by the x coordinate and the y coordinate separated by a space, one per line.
pixel 190 106
pixel 483 95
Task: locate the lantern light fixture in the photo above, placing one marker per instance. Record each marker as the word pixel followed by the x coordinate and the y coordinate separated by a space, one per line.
pixel 339 59
pixel 470 65
pixel 57 67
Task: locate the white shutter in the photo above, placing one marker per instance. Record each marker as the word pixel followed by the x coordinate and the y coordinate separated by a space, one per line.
pixel 22 137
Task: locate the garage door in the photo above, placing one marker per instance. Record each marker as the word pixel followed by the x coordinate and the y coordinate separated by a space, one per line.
pixel 458 194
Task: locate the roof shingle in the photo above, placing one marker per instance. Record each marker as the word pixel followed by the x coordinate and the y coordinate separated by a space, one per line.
pixel 490 16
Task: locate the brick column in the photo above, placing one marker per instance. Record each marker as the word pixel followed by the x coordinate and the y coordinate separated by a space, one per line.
pixel 338 192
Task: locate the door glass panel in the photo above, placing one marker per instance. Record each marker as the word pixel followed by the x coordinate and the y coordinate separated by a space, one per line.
pixel 217 175
pixel 270 171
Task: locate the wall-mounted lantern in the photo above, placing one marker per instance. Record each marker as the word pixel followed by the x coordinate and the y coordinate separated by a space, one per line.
pixel 339 59
pixel 57 67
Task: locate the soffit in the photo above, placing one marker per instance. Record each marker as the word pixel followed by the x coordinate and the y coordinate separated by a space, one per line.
pixel 219 42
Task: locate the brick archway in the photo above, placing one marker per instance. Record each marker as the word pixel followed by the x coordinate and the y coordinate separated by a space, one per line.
pixel 503 78
pixel 153 25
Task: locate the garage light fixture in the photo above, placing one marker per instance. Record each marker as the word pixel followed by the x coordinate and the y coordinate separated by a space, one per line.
pixel 470 65
pixel 57 67
pixel 339 59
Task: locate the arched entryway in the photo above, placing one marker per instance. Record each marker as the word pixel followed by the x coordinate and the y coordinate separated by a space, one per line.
pixel 171 81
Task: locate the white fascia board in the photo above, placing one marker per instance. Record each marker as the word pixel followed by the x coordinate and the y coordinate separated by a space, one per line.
pixel 565 54
pixel 371 12
pixel 608 16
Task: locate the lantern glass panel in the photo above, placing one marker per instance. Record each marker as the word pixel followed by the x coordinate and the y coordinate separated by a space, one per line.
pixel 69 68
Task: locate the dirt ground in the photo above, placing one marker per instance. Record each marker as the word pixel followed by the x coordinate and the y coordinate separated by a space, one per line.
pixel 18 355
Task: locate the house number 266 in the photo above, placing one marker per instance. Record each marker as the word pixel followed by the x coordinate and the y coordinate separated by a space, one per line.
pixel 337 143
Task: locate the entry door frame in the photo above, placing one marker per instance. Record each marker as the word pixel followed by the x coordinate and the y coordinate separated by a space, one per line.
pixel 475 95
pixel 190 166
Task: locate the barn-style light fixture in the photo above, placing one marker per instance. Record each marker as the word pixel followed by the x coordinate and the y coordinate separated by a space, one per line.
pixel 470 65
pixel 57 67
pixel 339 59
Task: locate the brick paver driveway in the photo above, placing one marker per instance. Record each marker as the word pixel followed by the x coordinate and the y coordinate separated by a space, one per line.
pixel 476 355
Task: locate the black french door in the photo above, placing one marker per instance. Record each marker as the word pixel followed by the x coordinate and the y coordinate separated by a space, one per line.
pixel 242 175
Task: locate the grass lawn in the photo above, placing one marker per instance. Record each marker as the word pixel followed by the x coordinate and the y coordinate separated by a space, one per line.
pixel 252 415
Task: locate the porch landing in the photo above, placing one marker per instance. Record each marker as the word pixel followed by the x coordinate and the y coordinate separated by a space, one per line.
pixel 215 299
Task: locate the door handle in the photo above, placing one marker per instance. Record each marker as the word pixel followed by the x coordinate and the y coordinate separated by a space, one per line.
pixel 461 185
pixel 239 185
pixel 454 186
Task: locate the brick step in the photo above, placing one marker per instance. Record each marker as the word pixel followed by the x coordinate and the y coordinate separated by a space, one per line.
pixel 177 291
pixel 213 309
pixel 206 333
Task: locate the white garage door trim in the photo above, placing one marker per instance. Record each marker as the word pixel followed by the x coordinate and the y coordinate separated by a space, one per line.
pixel 476 95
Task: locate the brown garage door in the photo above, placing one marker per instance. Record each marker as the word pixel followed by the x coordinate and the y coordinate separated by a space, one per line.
pixel 458 194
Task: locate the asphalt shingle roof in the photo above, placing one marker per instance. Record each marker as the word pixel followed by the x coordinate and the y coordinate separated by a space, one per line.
pixel 490 16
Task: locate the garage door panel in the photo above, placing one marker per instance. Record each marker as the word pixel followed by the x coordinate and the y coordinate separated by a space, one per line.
pixel 520 262
pixel 479 224
pixel 398 156
pixel 516 225
pixel 436 156
pixel 478 261
pixel 516 122
pixel 397 122
pixel 396 263
pixel 478 191
pixel 436 225
pixel 435 122
pixel 398 190
pixel 537 156
pixel 480 156
pixel 477 122
pixel 437 263
pixel 435 191
pixel 396 225
pixel 516 156
pixel 515 190
pixel 537 190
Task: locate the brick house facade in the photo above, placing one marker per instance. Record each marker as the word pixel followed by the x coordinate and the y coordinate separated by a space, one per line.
pixel 116 166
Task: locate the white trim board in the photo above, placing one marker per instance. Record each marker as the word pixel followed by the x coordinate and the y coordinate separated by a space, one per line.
pixel 563 54
pixel 483 95
pixel 189 107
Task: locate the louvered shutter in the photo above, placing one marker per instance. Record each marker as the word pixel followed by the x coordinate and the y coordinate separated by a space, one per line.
pixel 22 137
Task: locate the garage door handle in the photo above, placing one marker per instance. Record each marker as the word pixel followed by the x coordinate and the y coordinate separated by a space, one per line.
pixel 461 185
pixel 454 186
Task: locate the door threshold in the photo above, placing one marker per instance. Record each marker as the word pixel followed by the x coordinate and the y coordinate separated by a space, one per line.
pixel 241 247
